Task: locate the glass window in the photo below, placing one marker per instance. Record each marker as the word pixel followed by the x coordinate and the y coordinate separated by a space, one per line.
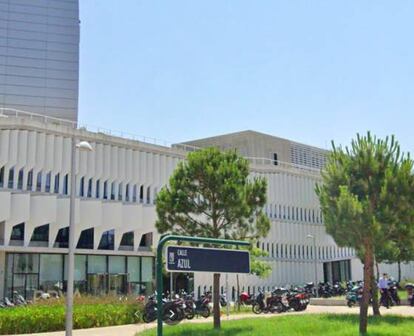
pixel 89 188
pixel 48 181
pixel 147 269
pixel 20 180
pixel 96 264
pixel 41 234
pixel 57 180
pixel 98 186
pixel 80 267
pixel 17 232
pixel 82 187
pixel 116 264
pixel 133 269
pixel 127 239
pixel 107 240
pixel 51 269
pixel 26 263
pixel 39 182
pixel 1 177
pixel 86 239
pixel 66 184
pixel 30 180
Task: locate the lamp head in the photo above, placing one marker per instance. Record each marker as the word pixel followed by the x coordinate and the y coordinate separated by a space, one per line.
pixel 84 146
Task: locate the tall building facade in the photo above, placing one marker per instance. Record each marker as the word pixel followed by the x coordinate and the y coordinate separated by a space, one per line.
pixel 39 57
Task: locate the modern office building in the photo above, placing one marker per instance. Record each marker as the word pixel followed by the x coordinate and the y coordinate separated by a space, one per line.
pixel 115 213
pixel 118 181
pixel 39 56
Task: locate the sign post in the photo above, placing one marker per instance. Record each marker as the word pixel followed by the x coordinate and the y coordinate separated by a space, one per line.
pixel 187 259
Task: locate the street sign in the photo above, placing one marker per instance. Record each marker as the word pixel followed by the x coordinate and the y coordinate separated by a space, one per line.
pixel 194 259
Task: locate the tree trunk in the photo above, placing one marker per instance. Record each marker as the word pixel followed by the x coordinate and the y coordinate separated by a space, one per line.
pixel 399 272
pixel 377 267
pixel 363 311
pixel 216 300
pixel 375 302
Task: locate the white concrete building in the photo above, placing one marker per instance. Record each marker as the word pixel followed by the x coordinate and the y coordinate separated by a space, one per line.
pixel 115 213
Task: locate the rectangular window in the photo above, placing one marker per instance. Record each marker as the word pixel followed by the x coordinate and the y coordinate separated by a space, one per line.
pixel 96 264
pixel 11 178
pixel 39 182
pixel 20 180
pixel 81 187
pixel 275 162
pixel 89 188
pixel 57 182
pixel 48 181
pixel 2 177
pixel 51 269
pixel 116 264
pixel 66 184
pixel 98 186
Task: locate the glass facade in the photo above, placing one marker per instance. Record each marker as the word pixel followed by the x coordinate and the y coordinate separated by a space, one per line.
pixel 94 274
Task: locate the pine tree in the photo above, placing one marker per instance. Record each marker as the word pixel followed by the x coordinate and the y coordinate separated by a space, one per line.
pixel 212 195
pixel 361 190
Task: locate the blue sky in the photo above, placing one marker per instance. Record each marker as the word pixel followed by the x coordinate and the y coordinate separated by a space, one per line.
pixel 310 71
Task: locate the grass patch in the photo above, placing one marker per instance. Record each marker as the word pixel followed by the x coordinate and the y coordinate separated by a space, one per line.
pixel 296 325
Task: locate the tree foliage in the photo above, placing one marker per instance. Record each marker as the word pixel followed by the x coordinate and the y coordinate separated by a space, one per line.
pixel 212 195
pixel 367 201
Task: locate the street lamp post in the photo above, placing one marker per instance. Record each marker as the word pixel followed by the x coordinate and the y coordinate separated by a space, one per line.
pixel 82 146
pixel 315 262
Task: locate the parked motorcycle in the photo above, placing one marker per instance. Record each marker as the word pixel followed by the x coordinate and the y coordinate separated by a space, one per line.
pixel 272 304
pixel 393 293
pixel 172 313
pixel 410 293
pixel 199 307
pixel 354 296
pixel 246 299
pixel 298 301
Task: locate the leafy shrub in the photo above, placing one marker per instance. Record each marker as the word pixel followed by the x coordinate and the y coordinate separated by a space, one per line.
pixel 44 318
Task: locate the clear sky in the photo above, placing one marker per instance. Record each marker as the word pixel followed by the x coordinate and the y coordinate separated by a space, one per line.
pixel 309 71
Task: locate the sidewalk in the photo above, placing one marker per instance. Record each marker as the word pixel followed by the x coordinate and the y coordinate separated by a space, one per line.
pixel 132 329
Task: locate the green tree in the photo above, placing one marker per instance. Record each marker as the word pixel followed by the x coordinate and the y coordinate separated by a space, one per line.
pixel 212 195
pixel 359 200
pixel 400 246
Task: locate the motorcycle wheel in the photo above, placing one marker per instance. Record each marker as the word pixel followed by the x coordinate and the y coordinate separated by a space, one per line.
pixel 205 312
pixel 257 309
pixel 278 308
pixel 189 315
pixel 175 319
pixel 148 318
pixel 350 304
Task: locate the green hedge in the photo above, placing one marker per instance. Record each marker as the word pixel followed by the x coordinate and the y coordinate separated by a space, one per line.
pixel 39 318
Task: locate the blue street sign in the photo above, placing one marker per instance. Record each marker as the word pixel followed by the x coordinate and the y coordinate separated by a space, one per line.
pixel 194 259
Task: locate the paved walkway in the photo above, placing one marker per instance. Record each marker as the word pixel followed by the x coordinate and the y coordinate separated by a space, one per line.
pixel 132 329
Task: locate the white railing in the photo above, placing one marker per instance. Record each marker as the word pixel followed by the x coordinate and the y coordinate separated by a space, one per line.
pixel 9 112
